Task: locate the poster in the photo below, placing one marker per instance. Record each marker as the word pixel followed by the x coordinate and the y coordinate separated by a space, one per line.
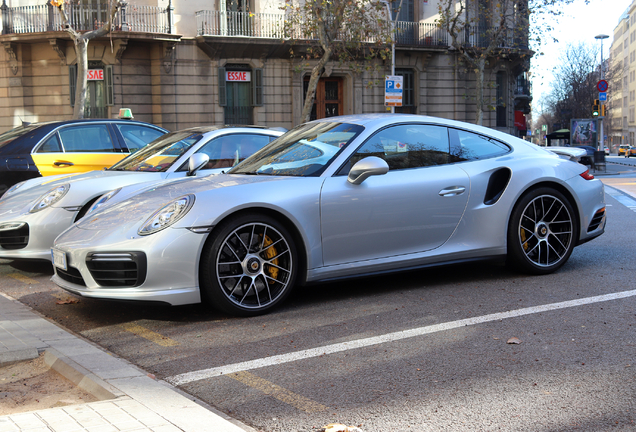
pixel 583 132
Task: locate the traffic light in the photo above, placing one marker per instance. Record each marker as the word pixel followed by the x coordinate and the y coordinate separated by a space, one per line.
pixel 596 109
pixel 603 110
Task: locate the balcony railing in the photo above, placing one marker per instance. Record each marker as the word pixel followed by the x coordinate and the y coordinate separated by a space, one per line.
pixel 84 17
pixel 271 26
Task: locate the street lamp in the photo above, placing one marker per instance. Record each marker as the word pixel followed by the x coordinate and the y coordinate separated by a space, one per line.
pixel 388 10
pixel 601 141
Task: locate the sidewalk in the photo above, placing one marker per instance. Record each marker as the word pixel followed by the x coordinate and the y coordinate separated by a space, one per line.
pixel 129 400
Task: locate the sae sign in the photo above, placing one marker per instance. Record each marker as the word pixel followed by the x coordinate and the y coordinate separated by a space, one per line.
pixel 95 75
pixel 393 90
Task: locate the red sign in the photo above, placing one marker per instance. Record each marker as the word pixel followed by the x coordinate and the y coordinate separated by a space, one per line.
pixel 602 86
pixel 520 120
pixel 237 76
pixel 95 75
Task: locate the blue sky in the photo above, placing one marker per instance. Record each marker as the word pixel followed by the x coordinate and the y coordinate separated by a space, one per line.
pixel 580 23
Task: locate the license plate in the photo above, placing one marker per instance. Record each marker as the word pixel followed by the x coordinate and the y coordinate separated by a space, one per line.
pixel 59 258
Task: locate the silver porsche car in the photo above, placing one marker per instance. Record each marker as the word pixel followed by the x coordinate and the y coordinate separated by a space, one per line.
pixel 396 192
pixel 34 212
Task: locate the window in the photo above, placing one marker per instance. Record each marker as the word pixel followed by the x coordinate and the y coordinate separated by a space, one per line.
pixel 137 136
pixel 407 146
pixel 228 150
pixel 51 145
pixel 87 138
pixel 99 93
pixel 240 95
pixel 408 91
pixel 467 146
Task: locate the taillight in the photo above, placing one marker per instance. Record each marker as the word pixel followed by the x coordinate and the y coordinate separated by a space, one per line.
pixel 586 175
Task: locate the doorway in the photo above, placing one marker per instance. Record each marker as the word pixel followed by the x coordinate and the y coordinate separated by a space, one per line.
pixel 329 98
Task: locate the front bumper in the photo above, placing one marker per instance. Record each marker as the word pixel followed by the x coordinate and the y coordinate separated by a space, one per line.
pixel 162 267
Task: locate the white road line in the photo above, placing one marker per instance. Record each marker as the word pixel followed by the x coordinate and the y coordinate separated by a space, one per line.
pixel 621 197
pixel 189 377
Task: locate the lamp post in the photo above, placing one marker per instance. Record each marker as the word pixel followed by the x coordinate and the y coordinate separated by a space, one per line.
pixel 601 140
pixel 388 10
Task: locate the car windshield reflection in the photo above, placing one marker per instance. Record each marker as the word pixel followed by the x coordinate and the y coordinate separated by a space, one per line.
pixel 302 152
pixel 159 155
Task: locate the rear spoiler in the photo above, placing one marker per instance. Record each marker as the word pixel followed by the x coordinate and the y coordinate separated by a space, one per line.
pixel 572 153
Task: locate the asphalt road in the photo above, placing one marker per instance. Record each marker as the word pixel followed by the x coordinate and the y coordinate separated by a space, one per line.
pixel 428 350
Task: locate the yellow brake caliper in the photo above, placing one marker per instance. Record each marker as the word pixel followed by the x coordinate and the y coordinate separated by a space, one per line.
pixel 269 254
pixel 522 233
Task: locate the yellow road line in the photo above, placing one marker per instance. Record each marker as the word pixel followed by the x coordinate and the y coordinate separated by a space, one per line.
pixel 278 392
pixel 22 278
pixel 149 334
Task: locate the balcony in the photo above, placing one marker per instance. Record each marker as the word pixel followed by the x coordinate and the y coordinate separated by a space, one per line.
pixel 84 17
pixel 408 34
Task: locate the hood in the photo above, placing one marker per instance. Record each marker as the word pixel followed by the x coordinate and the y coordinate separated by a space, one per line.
pixel 139 207
pixel 83 186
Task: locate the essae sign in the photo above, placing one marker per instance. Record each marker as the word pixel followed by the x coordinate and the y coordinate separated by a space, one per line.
pixel 95 75
pixel 237 76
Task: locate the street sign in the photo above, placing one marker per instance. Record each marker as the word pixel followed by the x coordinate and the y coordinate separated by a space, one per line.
pixel 602 86
pixel 393 90
pixel 602 96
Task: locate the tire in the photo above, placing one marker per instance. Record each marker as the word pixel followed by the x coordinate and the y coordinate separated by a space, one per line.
pixel 249 266
pixel 542 232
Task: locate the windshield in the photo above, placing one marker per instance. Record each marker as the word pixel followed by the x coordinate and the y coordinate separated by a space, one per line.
pixel 305 151
pixel 160 154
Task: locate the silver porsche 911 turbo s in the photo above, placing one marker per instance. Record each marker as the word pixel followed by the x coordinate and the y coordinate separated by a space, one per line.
pixel 396 192
pixel 36 211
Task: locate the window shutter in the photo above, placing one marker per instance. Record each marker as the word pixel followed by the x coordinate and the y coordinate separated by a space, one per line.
pixel 257 88
pixel 222 88
pixel 72 79
pixel 110 93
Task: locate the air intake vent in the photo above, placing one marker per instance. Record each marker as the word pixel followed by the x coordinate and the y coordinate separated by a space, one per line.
pixel 117 269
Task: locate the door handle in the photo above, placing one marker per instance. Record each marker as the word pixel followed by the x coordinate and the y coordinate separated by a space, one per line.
pixel 452 191
pixel 60 163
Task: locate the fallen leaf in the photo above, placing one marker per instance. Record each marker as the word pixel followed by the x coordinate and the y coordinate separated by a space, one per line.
pixel 513 340
pixel 67 301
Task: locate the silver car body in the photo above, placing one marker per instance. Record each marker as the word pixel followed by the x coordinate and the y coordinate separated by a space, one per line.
pixel 42 227
pixel 403 219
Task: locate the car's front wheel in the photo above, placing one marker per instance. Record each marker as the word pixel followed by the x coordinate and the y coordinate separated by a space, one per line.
pixel 542 232
pixel 249 266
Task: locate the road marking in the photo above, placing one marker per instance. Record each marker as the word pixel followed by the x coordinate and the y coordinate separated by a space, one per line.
pixel 149 334
pixel 189 377
pixel 22 278
pixel 620 196
pixel 278 392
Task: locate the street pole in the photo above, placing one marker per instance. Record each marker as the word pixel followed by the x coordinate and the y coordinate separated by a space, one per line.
pixel 601 140
pixel 388 10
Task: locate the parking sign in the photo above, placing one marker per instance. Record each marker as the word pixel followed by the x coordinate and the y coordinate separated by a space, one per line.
pixel 393 90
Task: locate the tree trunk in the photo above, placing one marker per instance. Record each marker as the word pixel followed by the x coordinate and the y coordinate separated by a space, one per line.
pixel 81 84
pixel 313 85
pixel 479 71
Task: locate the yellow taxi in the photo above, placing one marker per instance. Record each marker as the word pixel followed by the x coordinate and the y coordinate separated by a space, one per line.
pixel 631 151
pixel 72 146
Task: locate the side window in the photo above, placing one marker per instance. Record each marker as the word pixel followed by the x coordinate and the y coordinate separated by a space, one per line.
pixel 467 146
pixel 227 151
pixel 406 146
pixel 90 138
pixel 137 136
pixel 51 145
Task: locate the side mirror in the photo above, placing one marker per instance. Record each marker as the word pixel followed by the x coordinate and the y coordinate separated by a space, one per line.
pixel 367 167
pixel 196 162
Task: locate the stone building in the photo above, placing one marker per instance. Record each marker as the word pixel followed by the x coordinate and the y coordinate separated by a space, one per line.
pixel 621 94
pixel 180 63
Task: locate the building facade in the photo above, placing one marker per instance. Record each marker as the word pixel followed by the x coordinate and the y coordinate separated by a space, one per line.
pixel 180 63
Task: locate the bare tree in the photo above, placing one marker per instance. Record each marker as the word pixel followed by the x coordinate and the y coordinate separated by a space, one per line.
pixel 81 41
pixel 483 31
pixel 352 32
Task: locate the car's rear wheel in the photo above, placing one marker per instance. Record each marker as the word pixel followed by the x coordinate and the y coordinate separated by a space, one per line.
pixel 250 265
pixel 542 232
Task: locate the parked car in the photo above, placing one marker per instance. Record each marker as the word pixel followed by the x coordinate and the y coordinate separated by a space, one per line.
pixel 399 192
pixel 588 159
pixel 34 212
pixel 65 147
pixel 626 148
pixel 607 151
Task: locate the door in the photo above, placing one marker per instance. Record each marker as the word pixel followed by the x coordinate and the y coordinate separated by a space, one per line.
pixel 238 110
pixel 329 98
pixel 95 100
pixel 413 208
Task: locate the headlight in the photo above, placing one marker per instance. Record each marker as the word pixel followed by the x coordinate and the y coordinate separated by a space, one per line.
pixel 50 198
pixel 102 200
pixel 167 215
